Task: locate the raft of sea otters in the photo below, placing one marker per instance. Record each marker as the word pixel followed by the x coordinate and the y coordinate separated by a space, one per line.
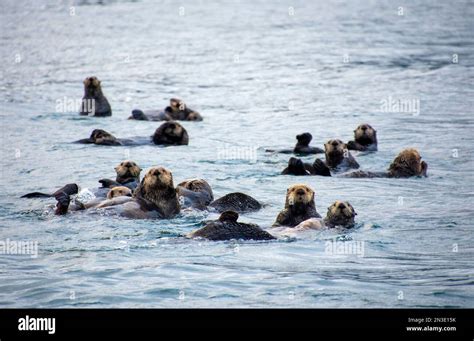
pixel 155 197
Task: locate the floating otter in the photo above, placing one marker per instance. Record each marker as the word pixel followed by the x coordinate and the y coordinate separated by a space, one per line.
pixel 340 214
pixel 176 111
pixel 155 197
pixel 128 175
pixel 94 102
pixel 227 227
pixel 169 133
pixel 406 164
pixel 115 196
pixel 195 193
pixel 299 206
pixel 238 202
pixel 302 146
pixel 365 139
pixel 104 138
pixel 338 159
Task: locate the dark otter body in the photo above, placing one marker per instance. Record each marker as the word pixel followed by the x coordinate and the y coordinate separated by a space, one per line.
pixel 176 111
pixel 169 133
pixel 302 146
pixel 365 139
pixel 227 228
pixel 68 189
pixel 238 202
pixel 94 102
pixel 296 213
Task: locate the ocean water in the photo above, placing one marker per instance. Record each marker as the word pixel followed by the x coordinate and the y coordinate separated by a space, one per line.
pixel 260 73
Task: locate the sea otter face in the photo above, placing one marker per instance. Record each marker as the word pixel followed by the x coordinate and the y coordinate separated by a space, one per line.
pixel 408 163
pixel 299 194
pixel 365 134
pixel 158 177
pixel 304 139
pixel 177 105
pixel 335 147
pixel 119 191
pixel 128 168
pixel 341 213
pixel 173 129
pixel 99 136
pixel 91 83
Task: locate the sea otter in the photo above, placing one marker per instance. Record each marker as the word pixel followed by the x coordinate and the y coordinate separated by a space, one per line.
pixel 238 202
pixel 176 111
pixel 128 175
pixel 302 146
pixel 195 193
pixel 94 103
pixel 406 164
pixel 365 139
pixel 339 214
pixel 116 195
pixel 299 206
pixel 338 159
pixel 227 227
pixel 155 197
pixel 169 133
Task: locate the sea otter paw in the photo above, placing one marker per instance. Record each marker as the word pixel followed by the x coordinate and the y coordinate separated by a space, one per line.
pixel 320 168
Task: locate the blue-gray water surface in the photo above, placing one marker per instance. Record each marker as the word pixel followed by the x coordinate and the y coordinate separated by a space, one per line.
pixel 260 73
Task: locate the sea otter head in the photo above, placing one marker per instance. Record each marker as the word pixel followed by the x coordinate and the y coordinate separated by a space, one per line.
pixel 157 177
pixel 177 105
pixel 127 169
pixel 408 163
pixel 194 116
pixel 340 213
pixel 365 134
pixel 92 86
pixel 196 185
pixel 119 191
pixel 299 196
pixel 170 132
pixel 335 151
pixel 99 136
pixel 304 139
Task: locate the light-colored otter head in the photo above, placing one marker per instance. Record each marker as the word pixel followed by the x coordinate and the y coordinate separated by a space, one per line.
pixel 99 136
pixel 127 169
pixel 340 213
pixel 119 191
pixel 177 105
pixel 365 134
pixel 335 151
pixel 157 177
pixel 335 147
pixel 408 163
pixel 299 195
